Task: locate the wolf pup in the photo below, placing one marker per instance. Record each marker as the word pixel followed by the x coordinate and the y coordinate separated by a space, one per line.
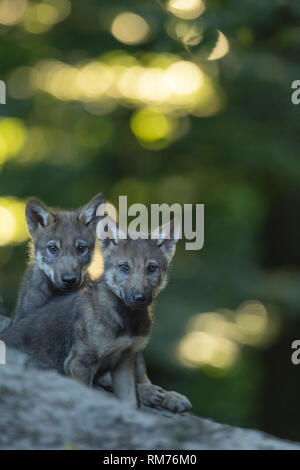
pixel 109 323
pixel 61 251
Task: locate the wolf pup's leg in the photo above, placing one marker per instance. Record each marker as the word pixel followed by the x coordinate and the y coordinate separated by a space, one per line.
pixel 152 395
pixel 78 366
pixel 149 394
pixel 124 381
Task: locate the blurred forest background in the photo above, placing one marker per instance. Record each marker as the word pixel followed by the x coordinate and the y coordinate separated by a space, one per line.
pixel 172 101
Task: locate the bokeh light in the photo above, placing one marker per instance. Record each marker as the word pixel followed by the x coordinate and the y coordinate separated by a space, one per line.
pixel 96 267
pixel 198 349
pixel 187 9
pixel 184 78
pixel 7 225
pixel 13 228
pixel 221 48
pixel 161 80
pixel 12 11
pixel 190 33
pixel 12 137
pixel 93 80
pixel 130 28
pixel 253 322
pixel 215 338
pixel 150 125
pixel 42 16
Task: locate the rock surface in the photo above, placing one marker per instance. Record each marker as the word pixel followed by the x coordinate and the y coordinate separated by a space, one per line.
pixel 43 410
pixel 4 321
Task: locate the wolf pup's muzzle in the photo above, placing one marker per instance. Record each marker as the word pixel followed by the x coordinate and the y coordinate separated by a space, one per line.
pixel 69 282
pixel 138 300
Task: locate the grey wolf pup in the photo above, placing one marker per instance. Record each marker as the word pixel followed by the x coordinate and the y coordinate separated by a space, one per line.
pixel 61 250
pixel 105 327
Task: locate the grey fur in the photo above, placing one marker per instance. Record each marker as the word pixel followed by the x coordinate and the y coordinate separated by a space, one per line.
pixel 102 328
pixel 67 231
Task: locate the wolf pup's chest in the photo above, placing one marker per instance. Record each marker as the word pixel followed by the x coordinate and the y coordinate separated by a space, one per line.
pixel 133 344
pixel 134 324
pixel 121 345
pixel 126 343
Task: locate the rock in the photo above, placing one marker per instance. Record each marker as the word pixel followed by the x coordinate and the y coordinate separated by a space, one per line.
pixel 4 321
pixel 44 410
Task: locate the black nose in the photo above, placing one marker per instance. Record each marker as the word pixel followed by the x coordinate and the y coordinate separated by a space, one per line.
pixel 139 297
pixel 69 280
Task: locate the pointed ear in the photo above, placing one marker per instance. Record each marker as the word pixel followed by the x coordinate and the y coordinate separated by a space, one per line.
pixel 88 214
pixel 38 216
pixel 108 233
pixel 167 236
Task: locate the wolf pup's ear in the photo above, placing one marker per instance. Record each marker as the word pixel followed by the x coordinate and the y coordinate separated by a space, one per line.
pixel 108 233
pixel 38 216
pixel 88 214
pixel 167 236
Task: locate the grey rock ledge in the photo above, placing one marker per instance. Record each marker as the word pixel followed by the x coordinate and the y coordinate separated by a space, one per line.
pixel 44 410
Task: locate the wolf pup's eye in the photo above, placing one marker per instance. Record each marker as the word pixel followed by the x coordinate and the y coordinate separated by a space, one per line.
pixel 52 249
pixel 81 249
pixel 152 268
pixel 124 267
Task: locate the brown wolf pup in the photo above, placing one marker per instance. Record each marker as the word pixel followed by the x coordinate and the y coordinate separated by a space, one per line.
pixel 61 250
pixel 108 324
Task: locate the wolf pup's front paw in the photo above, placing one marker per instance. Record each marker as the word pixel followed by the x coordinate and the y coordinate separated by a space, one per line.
pixel 150 395
pixel 176 402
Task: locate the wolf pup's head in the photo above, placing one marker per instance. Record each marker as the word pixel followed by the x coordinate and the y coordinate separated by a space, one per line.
pixel 136 269
pixel 63 241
